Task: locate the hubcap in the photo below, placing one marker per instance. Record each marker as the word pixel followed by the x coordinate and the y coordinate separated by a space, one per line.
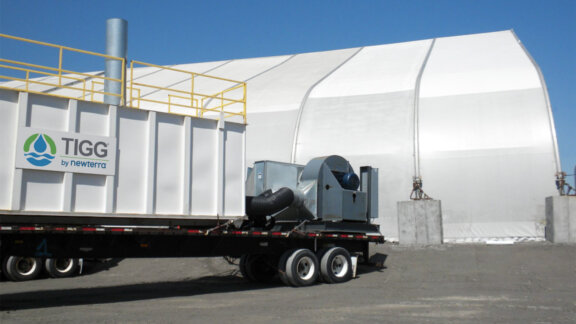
pixel 26 266
pixel 63 265
pixel 339 266
pixel 305 268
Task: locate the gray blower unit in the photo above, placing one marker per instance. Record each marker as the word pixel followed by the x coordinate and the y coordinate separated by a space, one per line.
pixel 326 189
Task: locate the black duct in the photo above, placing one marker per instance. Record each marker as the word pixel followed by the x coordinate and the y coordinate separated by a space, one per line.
pixel 268 203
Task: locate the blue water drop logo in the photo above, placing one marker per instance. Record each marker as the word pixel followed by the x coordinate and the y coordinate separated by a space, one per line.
pixel 35 149
pixel 40 144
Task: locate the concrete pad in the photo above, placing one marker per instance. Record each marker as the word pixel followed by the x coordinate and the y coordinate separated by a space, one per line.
pixel 420 222
pixel 561 219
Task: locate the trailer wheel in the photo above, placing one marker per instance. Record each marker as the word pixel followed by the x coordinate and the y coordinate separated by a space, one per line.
pixel 282 267
pixel 243 267
pixel 61 267
pixel 258 268
pixel 21 268
pixel 302 268
pixel 336 265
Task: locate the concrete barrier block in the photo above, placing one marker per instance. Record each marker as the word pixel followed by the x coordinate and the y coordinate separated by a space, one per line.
pixel 420 222
pixel 561 219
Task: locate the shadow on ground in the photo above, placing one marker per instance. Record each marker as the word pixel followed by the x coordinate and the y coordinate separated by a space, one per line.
pixel 125 293
pixel 377 263
pixel 144 291
pixel 99 265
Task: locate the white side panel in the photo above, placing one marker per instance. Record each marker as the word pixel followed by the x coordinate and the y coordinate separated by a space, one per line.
pixel 8 131
pixel 204 167
pixel 47 112
pixel 93 119
pixel 234 169
pixel 42 190
pixel 89 193
pixel 170 164
pixel 132 177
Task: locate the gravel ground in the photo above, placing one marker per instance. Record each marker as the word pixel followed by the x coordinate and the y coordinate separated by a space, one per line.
pixel 522 283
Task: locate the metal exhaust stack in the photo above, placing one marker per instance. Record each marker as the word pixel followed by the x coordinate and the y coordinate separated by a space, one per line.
pixel 116 45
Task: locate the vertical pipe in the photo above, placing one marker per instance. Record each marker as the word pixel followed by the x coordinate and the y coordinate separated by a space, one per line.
pixel 416 137
pixel 116 45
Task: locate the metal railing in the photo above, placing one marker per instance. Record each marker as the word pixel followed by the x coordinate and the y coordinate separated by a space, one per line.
pixel 187 93
pixel 29 77
pixel 192 94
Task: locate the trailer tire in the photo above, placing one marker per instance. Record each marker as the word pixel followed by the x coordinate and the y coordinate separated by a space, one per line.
pixel 17 268
pixel 302 268
pixel 62 267
pixel 243 267
pixel 282 267
pixel 258 268
pixel 336 265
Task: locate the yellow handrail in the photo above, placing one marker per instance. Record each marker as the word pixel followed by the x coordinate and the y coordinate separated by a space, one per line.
pixel 139 93
pixel 30 82
pixel 60 47
pixel 183 71
pixel 192 100
pixel 163 96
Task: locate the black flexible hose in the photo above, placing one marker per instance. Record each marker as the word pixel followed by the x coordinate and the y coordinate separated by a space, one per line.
pixel 268 203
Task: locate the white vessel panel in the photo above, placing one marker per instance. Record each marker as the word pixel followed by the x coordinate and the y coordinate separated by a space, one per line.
pixel 159 165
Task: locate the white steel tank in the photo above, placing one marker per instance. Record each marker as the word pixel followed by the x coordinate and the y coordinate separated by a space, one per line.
pixel 71 157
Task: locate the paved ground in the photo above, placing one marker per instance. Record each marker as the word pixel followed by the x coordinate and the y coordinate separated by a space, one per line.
pixel 525 283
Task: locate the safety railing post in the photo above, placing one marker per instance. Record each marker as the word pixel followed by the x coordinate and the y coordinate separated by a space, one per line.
pixel 132 85
pixel 244 102
pixel 123 87
pixel 222 102
pixel 60 67
pixel 192 89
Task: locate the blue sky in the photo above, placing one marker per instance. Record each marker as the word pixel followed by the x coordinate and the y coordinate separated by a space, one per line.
pixel 173 32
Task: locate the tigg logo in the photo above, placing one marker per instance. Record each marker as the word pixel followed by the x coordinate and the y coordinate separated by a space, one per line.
pixel 50 150
pixel 39 149
pixel 85 147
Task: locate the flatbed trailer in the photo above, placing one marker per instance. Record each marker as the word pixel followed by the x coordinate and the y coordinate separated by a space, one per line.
pixel 265 253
